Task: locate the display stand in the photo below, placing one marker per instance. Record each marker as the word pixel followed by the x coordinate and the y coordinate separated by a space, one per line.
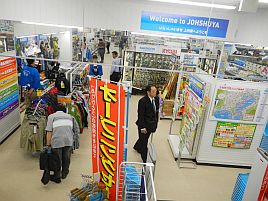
pixel 9 97
pixel 214 148
pixel 185 145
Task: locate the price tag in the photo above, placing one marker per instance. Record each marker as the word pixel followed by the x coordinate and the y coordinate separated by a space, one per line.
pixel 34 129
pixel 39 93
pixel 62 85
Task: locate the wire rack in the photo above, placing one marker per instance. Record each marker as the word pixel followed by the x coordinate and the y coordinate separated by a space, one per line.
pixel 135 182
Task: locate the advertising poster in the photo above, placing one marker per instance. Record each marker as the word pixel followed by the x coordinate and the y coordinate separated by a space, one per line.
pixel 233 135
pixel 107 106
pixel 9 94
pixel 235 103
pixel 182 24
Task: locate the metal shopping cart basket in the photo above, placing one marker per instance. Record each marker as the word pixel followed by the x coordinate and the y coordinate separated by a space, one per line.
pixel 135 182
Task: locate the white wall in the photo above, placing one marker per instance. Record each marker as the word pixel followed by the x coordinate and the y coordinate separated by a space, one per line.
pixel 125 15
pixel 253 28
pixel 117 14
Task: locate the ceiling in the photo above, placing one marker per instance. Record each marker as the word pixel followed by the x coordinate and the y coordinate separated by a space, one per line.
pixel 228 2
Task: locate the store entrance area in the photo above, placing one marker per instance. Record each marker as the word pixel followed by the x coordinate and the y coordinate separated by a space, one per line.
pixel 23 180
pixel 146 100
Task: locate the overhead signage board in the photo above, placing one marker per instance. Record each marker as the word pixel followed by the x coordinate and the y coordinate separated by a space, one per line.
pixel 183 24
pixel 154 49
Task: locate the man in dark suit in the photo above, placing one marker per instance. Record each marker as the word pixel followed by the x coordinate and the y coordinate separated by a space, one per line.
pixel 148 109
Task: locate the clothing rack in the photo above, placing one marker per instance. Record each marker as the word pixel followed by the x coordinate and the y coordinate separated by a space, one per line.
pixel 78 70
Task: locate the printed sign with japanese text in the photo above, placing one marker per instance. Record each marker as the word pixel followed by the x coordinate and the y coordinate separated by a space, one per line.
pixel 107 108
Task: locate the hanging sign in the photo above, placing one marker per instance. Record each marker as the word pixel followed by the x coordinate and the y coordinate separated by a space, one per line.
pixel 234 135
pixel 9 94
pixel 107 106
pixel 183 24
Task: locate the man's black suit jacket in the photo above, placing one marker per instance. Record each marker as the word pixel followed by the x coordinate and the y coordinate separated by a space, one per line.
pixel 147 116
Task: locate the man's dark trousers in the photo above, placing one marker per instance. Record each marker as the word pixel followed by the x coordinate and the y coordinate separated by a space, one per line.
pixel 142 145
pixel 65 157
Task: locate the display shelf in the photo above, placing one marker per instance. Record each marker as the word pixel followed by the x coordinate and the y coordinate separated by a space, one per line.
pixel 141 78
pixel 174 142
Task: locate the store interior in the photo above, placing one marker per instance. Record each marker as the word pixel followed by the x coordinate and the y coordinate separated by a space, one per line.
pixel 208 60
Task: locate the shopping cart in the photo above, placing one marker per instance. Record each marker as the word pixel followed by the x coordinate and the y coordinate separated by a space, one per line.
pixel 135 182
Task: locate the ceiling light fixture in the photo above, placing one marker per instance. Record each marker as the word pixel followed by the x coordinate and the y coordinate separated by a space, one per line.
pixel 192 3
pixel 52 25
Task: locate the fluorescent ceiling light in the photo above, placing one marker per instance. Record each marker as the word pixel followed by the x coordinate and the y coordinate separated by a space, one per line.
pixel 192 3
pixel 158 35
pixel 263 1
pixel 52 25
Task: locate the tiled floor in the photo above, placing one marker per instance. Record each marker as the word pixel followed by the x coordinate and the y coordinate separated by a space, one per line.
pixel 20 175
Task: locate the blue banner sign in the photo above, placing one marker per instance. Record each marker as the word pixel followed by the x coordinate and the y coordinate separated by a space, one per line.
pixel 182 24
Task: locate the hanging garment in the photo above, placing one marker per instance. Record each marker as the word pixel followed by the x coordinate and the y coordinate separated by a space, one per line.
pixel 84 114
pixel 76 131
pixel 62 84
pixel 32 134
pixel 74 111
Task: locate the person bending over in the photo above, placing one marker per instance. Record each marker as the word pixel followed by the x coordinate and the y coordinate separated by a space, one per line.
pixel 60 137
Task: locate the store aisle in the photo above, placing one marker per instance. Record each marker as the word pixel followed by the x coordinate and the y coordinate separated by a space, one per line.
pixel 20 174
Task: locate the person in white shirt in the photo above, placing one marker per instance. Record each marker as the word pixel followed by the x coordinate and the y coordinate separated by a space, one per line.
pixel 116 69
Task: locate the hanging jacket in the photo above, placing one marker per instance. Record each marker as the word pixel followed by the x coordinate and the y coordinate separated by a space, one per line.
pixel 32 134
pixel 62 84
pixel 73 110
pixel 76 131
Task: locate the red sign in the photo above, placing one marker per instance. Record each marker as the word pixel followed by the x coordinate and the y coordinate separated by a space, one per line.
pixel 107 104
pixel 263 196
pixel 7 67
pixel 169 51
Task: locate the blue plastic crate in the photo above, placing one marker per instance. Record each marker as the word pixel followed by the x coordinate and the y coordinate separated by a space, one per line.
pixel 240 187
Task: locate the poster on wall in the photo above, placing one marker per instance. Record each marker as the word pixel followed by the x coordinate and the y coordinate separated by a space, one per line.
pixel 182 24
pixel 233 135
pixel 9 95
pixel 238 104
pixel 107 106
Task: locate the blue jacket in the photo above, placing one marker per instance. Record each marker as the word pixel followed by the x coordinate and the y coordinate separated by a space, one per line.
pixel 30 77
pixel 95 70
